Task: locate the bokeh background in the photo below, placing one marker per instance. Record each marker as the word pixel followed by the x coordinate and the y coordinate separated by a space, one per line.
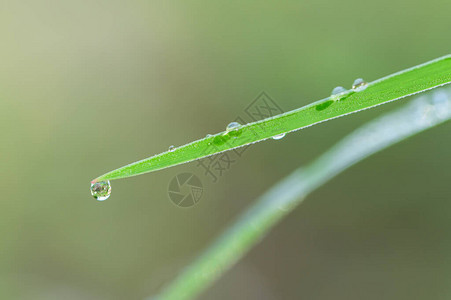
pixel 88 86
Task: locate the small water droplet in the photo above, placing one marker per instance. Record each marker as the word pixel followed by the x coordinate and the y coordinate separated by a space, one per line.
pixel 101 190
pixel 338 90
pixel 233 126
pixel 359 84
pixel 208 135
pixel 337 93
pixel 279 136
pixel 171 148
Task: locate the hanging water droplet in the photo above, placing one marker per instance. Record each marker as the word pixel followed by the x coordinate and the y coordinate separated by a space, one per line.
pixel 101 190
pixel 359 84
pixel 233 126
pixel 171 148
pixel 338 90
pixel 279 136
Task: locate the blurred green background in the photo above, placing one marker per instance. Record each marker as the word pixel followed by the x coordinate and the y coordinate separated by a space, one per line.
pixel 88 86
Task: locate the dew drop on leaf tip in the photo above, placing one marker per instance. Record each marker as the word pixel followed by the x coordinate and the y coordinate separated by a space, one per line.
pixel 101 190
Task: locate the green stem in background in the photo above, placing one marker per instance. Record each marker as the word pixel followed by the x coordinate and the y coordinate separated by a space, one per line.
pixel 399 85
pixel 421 114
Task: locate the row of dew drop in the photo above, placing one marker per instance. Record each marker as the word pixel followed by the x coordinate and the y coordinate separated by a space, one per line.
pixel 101 190
pixel 358 85
pixel 339 93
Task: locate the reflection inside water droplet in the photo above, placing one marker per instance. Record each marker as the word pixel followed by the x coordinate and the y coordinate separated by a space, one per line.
pixel 101 190
pixel 359 84
pixel 171 148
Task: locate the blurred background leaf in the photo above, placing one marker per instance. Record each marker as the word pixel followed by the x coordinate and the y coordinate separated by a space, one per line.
pixel 255 222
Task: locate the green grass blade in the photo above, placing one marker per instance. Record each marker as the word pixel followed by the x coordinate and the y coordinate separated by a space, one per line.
pixel 402 84
pixel 424 113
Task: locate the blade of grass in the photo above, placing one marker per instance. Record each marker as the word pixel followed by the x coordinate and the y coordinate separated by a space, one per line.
pixel 396 86
pixel 419 115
